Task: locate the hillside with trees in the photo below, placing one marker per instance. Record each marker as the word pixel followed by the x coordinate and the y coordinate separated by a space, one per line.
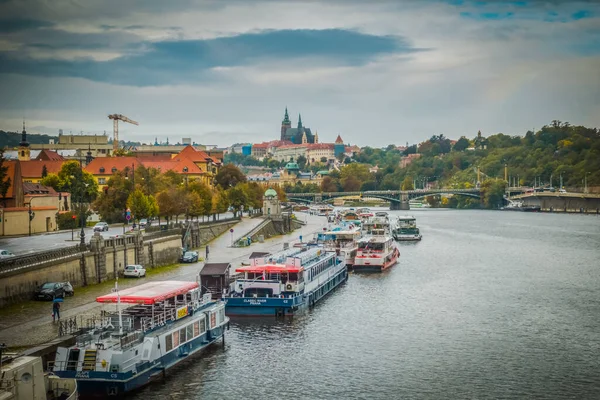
pixel 12 139
pixel 537 158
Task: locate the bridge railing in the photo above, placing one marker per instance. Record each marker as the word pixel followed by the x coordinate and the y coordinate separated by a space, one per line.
pixel 383 193
pixel 27 260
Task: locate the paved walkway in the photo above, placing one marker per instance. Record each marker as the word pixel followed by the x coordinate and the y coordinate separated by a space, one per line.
pixel 30 323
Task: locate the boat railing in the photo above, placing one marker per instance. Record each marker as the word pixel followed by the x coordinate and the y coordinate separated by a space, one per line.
pixel 131 339
pixel 74 365
pixel 61 386
pixel 8 385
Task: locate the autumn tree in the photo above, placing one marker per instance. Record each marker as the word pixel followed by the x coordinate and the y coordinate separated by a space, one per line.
pixel 407 184
pixel 5 180
pixel 204 198
pixel 166 204
pixel 220 202
pixel 237 198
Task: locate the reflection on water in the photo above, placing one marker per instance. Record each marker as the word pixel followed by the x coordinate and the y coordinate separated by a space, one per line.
pixel 487 305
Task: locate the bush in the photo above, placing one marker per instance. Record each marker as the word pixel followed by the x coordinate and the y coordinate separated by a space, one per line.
pixel 66 220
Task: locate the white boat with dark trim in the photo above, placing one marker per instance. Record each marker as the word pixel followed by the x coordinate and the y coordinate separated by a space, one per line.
pixel 405 229
pixel 343 241
pixel 168 322
pixel 285 283
pixel 376 251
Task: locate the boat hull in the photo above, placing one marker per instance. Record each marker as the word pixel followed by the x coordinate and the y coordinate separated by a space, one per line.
pixel 377 265
pixel 281 307
pixel 407 238
pixel 106 385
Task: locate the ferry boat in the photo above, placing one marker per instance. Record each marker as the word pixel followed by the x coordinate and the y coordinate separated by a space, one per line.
pixel 169 322
pixel 377 224
pixel 406 229
pixel 418 204
pixel 285 283
pixel 343 241
pixel 376 252
pixel 364 213
pixel 23 378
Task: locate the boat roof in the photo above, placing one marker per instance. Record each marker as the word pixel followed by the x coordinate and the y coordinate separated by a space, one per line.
pixel 270 268
pixel 340 232
pixel 406 217
pixel 150 293
pixel 215 268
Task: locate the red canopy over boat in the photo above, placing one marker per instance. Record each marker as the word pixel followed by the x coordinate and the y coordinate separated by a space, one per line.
pixel 270 268
pixel 149 293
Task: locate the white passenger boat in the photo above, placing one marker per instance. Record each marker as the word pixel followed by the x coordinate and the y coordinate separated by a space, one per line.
pixel 376 251
pixel 343 241
pixel 285 283
pixel 125 350
pixel 405 229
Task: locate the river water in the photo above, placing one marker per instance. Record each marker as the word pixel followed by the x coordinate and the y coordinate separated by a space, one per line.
pixel 488 305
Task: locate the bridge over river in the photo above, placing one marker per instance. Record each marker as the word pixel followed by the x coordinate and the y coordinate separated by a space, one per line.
pixel 398 198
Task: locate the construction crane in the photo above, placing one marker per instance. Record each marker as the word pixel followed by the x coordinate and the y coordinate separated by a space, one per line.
pixel 116 118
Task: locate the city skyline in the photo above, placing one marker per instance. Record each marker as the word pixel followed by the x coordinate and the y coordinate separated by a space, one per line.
pixel 223 72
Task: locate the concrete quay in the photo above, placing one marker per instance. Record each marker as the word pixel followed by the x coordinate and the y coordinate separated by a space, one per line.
pixel 29 324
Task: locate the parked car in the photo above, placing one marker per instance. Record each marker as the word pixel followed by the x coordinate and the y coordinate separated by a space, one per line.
pixel 6 254
pixel 51 290
pixel 189 257
pixel 134 271
pixel 101 227
pixel 143 223
pixel 562 191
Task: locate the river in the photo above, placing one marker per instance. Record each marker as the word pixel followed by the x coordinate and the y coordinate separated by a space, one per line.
pixel 488 305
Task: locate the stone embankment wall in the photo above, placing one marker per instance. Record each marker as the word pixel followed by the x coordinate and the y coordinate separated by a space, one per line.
pixel 102 259
pixel 564 204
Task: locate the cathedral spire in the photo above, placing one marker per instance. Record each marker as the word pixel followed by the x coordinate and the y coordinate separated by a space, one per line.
pixel 316 137
pixel 286 118
pixel 299 121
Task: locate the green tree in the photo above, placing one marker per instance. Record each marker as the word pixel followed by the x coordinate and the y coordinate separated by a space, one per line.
pixel 149 180
pixel 328 185
pixel 461 144
pixel 73 179
pixel 220 202
pixel 140 205
pixel 229 176
pixel 44 171
pixel 408 184
pixel 112 202
pixel 237 198
pixel 492 193
pixel 301 161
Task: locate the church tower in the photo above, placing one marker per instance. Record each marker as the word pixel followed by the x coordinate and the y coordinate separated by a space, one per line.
pixel 24 151
pixel 316 137
pixel 304 139
pixel 285 124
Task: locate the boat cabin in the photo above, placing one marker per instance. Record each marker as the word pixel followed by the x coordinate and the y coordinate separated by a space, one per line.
pixel 215 279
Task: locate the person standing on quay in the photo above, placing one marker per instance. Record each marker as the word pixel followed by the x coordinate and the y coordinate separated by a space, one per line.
pixel 207 252
pixel 55 311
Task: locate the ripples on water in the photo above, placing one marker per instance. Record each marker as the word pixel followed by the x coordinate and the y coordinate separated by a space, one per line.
pixel 488 305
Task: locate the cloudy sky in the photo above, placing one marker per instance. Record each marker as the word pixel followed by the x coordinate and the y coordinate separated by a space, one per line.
pixel 375 72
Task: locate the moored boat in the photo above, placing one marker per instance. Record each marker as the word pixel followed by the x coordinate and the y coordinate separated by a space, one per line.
pixel 376 252
pixel 343 241
pixel 285 283
pixel 405 229
pixel 125 350
pixel 23 378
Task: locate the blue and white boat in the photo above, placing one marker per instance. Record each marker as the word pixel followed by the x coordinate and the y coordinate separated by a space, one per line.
pixel 285 283
pixel 168 322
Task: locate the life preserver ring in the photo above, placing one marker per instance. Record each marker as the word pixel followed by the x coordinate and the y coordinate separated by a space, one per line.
pixel 288 286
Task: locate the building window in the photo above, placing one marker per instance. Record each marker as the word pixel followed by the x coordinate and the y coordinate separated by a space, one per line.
pixel 101 181
pixel 101 170
pixel 185 169
pixel 114 169
pixel 23 153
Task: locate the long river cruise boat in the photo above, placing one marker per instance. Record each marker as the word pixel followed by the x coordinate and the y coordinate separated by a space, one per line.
pixel 167 322
pixel 285 283
pixel 405 229
pixel 376 251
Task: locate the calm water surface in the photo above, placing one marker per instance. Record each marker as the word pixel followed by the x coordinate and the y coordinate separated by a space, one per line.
pixel 488 305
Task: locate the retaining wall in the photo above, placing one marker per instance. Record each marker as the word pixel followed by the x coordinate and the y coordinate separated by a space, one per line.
pixel 100 260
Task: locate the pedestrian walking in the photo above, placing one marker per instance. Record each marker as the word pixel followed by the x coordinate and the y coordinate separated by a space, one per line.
pixel 55 311
pixel 207 251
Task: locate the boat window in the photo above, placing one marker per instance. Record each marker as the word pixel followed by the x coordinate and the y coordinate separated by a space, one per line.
pixel 176 339
pixel 73 359
pixel 189 331
pixel 259 292
pixel 196 328
pixel 182 336
pixel 168 342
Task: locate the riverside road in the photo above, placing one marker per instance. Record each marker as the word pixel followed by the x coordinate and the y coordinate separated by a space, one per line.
pixel 30 323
